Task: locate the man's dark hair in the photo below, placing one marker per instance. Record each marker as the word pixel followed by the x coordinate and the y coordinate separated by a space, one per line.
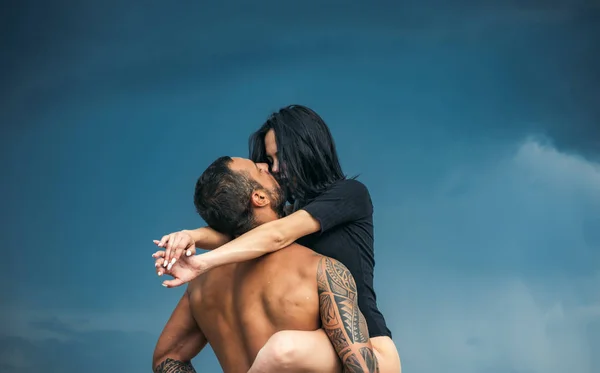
pixel 306 150
pixel 223 198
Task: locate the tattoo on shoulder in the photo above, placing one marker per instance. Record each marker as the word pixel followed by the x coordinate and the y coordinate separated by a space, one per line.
pixel 174 366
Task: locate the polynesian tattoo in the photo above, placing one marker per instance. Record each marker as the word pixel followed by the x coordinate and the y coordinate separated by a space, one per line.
pixel 341 318
pixel 174 366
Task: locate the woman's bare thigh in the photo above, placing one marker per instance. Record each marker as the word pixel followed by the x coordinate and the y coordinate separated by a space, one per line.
pixel 298 352
pixel 387 355
pixel 311 351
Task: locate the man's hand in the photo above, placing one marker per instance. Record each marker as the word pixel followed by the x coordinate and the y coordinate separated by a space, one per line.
pixel 182 271
pixel 175 244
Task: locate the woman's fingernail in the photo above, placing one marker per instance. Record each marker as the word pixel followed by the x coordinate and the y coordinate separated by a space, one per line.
pixel 160 273
pixel 188 253
pixel 173 261
pixel 164 285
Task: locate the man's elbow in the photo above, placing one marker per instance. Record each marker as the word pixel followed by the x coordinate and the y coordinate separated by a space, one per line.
pixel 157 358
pixel 171 364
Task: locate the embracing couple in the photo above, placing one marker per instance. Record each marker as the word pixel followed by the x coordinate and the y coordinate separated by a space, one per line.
pixel 287 283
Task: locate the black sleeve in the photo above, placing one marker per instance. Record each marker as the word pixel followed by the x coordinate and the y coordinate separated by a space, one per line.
pixel 343 202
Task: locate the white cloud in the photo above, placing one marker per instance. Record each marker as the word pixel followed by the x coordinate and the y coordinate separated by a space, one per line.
pixel 483 325
pixel 535 209
pixel 493 270
pixel 557 169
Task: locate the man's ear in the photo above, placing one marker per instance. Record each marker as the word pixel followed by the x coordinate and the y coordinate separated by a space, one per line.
pixel 260 198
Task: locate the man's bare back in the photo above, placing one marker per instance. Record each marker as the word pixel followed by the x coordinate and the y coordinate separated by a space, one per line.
pixel 239 306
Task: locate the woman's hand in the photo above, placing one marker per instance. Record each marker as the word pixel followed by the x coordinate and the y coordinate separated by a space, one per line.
pixel 175 244
pixel 182 271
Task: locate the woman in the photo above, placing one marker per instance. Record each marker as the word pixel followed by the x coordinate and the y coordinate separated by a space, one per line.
pixel 330 214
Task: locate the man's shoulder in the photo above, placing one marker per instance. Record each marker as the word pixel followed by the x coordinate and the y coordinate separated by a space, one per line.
pixel 297 249
pixel 294 253
pixel 209 278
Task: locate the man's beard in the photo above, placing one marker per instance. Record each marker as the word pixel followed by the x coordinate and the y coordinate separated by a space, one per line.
pixel 286 191
pixel 278 199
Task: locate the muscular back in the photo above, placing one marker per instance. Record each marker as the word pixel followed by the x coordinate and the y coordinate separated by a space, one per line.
pixel 239 306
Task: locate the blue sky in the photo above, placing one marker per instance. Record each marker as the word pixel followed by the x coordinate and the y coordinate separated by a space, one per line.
pixel 474 125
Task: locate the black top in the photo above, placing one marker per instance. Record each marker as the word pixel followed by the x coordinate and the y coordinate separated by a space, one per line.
pixel 345 212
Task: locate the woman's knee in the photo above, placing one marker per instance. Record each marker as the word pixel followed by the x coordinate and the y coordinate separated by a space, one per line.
pixel 282 350
pixel 298 351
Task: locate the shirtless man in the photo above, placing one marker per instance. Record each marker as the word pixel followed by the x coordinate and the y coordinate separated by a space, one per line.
pixel 238 307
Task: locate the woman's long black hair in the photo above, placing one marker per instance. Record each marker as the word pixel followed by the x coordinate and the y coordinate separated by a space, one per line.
pixel 308 159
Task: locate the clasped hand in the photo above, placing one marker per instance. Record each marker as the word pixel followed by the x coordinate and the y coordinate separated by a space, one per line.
pixel 171 262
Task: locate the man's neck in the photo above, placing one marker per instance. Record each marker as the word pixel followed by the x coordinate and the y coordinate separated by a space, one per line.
pixel 261 217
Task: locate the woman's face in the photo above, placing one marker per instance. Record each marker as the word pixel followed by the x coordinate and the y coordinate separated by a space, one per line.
pixel 275 165
pixel 271 150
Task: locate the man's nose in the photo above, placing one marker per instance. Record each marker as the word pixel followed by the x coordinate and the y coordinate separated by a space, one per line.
pixel 263 167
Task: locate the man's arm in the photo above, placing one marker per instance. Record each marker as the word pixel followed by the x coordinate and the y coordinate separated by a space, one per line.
pixel 342 320
pixel 180 341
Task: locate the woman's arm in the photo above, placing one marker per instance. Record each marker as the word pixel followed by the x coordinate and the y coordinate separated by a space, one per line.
pixel 343 202
pixel 207 238
pixel 264 239
pixel 187 241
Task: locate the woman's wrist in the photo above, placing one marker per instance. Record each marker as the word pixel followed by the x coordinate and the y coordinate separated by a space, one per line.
pixel 196 236
pixel 199 263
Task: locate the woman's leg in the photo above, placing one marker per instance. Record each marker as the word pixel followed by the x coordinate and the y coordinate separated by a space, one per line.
pixel 312 352
pixel 387 355
pixel 297 352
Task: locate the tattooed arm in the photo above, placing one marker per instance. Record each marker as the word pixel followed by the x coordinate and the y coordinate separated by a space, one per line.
pixel 342 320
pixel 180 341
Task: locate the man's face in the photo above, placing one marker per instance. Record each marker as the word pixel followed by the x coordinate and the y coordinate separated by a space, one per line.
pixel 259 172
